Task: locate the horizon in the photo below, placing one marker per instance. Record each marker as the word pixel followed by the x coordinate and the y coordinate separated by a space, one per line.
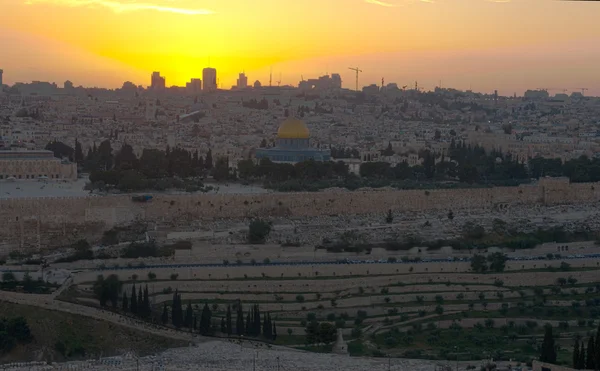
pixel 509 46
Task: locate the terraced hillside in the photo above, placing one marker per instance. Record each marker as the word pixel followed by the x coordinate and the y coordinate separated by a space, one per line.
pixel 414 310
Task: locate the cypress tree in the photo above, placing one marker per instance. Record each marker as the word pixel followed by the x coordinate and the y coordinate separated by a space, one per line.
pixel 576 355
pixel 581 362
pixel 133 305
pixel 174 315
pixel 590 359
pixel 249 323
pixel 189 316
pixel 548 351
pixel 165 315
pixel 147 310
pixel 179 311
pixel 205 320
pixel 239 323
pixel 228 320
pixel 140 303
pixel 257 321
pixel 125 302
pixel 597 349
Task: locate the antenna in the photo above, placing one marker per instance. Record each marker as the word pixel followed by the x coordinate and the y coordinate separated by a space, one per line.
pixel 271 77
pixel 279 81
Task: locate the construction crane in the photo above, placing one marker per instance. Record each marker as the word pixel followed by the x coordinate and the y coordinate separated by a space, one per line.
pixel 583 90
pixel 382 82
pixel 404 87
pixel 357 70
pixel 279 81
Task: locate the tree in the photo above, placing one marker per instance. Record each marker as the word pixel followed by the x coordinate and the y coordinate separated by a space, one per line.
pixel 548 349
pixel 165 314
pixel 133 307
pixel 205 320
pixel 140 303
pixel 79 158
pixel 581 361
pixel 258 231
pixel 208 161
pixel 221 169
pixel 228 321
pixel 590 363
pixel 497 261
pixel 125 302
pixel 108 289
pixel 478 264
pixel 147 310
pixel 576 355
pixel 239 324
pixel 126 159
pixel 189 316
pixel 274 334
pixel 105 156
pixel 389 219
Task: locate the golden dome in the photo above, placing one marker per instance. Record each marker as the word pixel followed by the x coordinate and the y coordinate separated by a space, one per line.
pixel 292 128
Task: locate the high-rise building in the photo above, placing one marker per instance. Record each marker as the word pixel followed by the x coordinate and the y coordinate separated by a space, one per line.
pixel 1 72
pixel 209 76
pixel 194 86
pixel 157 82
pixel 242 81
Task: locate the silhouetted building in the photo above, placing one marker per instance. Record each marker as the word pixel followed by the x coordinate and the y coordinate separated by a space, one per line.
pixel 242 81
pixel 257 84
pixel 209 75
pixel 157 81
pixel 322 83
pixel 371 89
pixel 1 72
pixel 536 94
pixel 194 86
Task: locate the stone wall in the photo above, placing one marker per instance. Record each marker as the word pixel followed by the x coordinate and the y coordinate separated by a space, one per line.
pixel 29 223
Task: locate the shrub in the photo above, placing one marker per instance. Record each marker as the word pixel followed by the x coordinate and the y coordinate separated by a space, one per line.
pixel 258 231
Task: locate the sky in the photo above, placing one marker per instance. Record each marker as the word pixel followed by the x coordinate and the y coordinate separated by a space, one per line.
pixel 486 45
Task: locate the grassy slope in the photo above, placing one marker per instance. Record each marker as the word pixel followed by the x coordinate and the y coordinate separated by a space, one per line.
pixel 96 337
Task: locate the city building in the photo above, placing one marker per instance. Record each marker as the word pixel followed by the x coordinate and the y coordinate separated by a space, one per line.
pixel 209 75
pixel 40 164
pixel 157 82
pixel 242 81
pixel 194 86
pixel 322 83
pixel 1 72
pixel 293 145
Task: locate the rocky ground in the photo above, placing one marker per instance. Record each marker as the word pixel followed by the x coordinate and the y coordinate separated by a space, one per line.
pixel 229 356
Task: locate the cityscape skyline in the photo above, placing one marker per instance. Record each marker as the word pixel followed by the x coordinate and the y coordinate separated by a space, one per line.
pixel 403 43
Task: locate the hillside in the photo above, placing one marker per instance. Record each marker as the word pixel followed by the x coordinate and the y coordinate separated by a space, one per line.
pixel 60 336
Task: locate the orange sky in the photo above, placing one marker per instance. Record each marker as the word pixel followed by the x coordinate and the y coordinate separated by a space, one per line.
pixel 488 45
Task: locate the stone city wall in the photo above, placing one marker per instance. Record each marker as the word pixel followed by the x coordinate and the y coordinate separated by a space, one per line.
pixel 43 222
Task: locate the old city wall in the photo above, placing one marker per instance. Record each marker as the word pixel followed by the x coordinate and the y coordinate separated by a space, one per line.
pixel 45 222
